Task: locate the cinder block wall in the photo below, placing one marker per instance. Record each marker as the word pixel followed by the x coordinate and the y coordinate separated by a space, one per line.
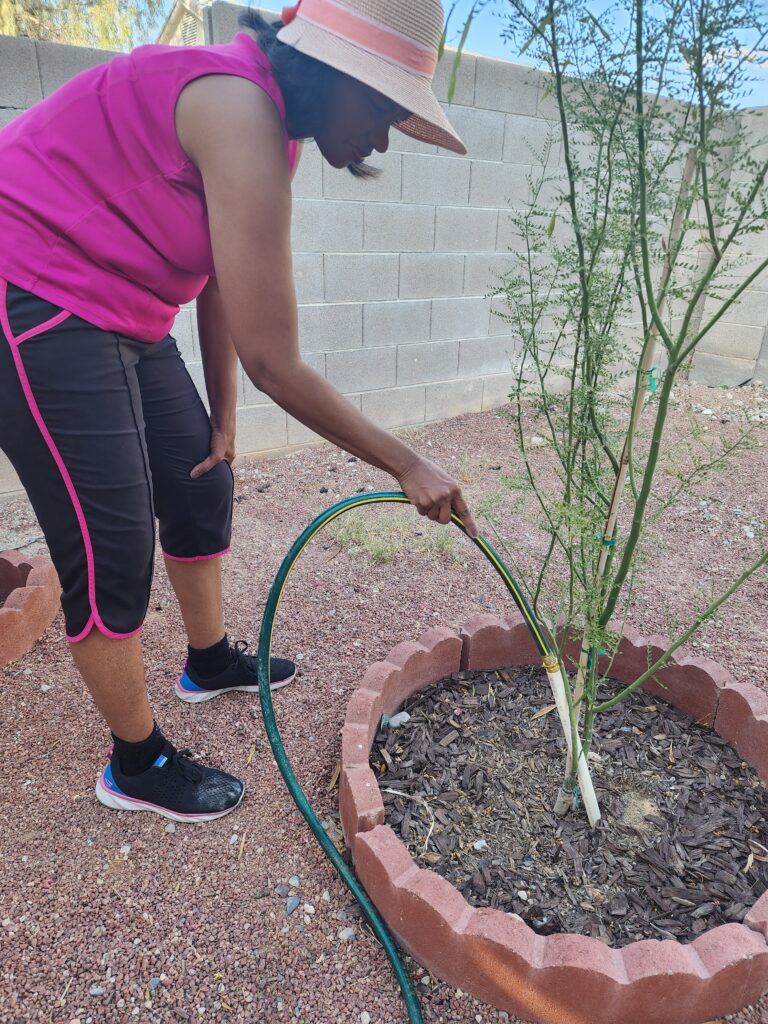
pixel 394 276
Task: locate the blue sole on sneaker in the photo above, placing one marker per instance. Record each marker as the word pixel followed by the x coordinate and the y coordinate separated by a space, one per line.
pixel 109 793
pixel 190 692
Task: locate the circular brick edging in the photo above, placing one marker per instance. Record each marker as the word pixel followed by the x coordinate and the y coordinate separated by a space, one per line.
pixel 496 956
pixel 29 600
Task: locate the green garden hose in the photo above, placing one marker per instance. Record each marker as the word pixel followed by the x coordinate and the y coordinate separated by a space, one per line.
pixel 370 912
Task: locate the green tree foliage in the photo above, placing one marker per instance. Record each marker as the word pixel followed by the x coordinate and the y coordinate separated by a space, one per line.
pixel 105 24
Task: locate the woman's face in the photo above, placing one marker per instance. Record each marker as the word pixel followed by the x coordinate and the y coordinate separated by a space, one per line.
pixel 358 121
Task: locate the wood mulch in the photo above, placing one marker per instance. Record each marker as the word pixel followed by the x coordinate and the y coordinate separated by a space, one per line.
pixel 469 784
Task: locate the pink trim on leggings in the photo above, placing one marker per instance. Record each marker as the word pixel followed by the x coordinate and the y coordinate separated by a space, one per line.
pixel 196 558
pixel 13 342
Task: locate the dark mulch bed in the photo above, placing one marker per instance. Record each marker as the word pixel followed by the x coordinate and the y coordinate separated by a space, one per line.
pixel 683 845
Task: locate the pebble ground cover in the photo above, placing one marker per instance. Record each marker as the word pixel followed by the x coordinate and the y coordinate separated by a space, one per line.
pixel 109 917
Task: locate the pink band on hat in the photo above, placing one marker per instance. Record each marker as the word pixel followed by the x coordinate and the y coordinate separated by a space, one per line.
pixel 369 35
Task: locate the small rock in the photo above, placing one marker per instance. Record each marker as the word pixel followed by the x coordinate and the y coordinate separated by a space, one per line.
pixel 326 897
pixel 232 840
pixel 536 442
pixel 171 826
pixel 340 915
pixel 153 984
pixel 523 895
pixel 347 934
pixel 45 687
pixel 294 881
pixel 425 980
pixel 308 908
pixel 291 904
pixel 480 845
pixel 399 719
pixel 95 990
pixel 125 849
pixel 365 1017
pixel 281 890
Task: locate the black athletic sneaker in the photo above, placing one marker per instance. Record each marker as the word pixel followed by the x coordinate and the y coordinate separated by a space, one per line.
pixel 242 674
pixel 173 786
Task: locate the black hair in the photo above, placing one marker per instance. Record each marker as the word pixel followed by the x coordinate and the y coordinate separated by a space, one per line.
pixel 304 82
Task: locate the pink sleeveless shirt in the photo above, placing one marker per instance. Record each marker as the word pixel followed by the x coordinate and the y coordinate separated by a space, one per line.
pixel 101 211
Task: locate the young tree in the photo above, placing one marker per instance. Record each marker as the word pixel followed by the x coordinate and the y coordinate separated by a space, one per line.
pixel 660 198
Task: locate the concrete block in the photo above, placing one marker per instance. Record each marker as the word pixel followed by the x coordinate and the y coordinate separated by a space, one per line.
pixel 308 181
pixel 453 397
pixel 429 275
pixel 480 356
pixel 247 392
pixel 463 317
pixel 220 21
pixel 19 75
pixel 308 277
pixel 396 323
pixel 261 428
pixel 496 184
pixel 387 188
pixel 399 142
pixel 8 114
pixel 531 140
pixel 185 334
pixel 481 131
pixel 323 226
pixel 329 326
pixel 483 271
pixel 399 227
pixel 750 309
pixel 462 229
pixel 716 370
pixel 432 360
pixel 733 340
pixel 59 63
pixel 357 277
pixel 395 407
pixel 502 85
pixel 508 235
pixel 464 91
pixel 367 369
pixel 499 322
pixel 435 180
pixel 497 388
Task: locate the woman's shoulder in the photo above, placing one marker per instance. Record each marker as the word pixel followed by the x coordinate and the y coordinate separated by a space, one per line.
pixel 242 55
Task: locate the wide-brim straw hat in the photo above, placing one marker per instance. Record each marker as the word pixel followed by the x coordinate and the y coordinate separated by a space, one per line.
pixel 389 45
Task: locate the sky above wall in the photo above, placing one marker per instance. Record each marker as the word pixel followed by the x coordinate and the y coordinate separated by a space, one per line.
pixel 485 38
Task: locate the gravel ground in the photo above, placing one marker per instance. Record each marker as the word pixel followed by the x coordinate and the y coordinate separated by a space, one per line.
pixel 108 917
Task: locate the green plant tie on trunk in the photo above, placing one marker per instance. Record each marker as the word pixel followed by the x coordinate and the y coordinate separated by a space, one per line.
pixel 346 874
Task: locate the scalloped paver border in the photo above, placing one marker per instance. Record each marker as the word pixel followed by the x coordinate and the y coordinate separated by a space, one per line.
pixel 31 590
pixel 496 956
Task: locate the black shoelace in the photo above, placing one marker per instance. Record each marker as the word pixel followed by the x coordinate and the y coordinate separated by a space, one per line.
pixel 190 771
pixel 247 661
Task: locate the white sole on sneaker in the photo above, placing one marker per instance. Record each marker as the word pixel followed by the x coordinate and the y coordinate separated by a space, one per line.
pixel 121 802
pixel 198 696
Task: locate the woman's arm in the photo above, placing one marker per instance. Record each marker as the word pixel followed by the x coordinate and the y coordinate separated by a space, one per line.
pixel 232 132
pixel 220 369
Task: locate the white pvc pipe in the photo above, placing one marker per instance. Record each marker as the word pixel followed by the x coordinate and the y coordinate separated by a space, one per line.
pixel 557 684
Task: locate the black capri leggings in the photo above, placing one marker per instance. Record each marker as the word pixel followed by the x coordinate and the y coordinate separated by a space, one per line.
pixel 103 431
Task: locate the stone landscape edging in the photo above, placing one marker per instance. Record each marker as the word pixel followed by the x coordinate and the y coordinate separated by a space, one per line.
pixel 496 956
pixel 30 587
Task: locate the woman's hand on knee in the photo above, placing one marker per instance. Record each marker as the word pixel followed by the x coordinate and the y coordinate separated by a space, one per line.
pixel 222 450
